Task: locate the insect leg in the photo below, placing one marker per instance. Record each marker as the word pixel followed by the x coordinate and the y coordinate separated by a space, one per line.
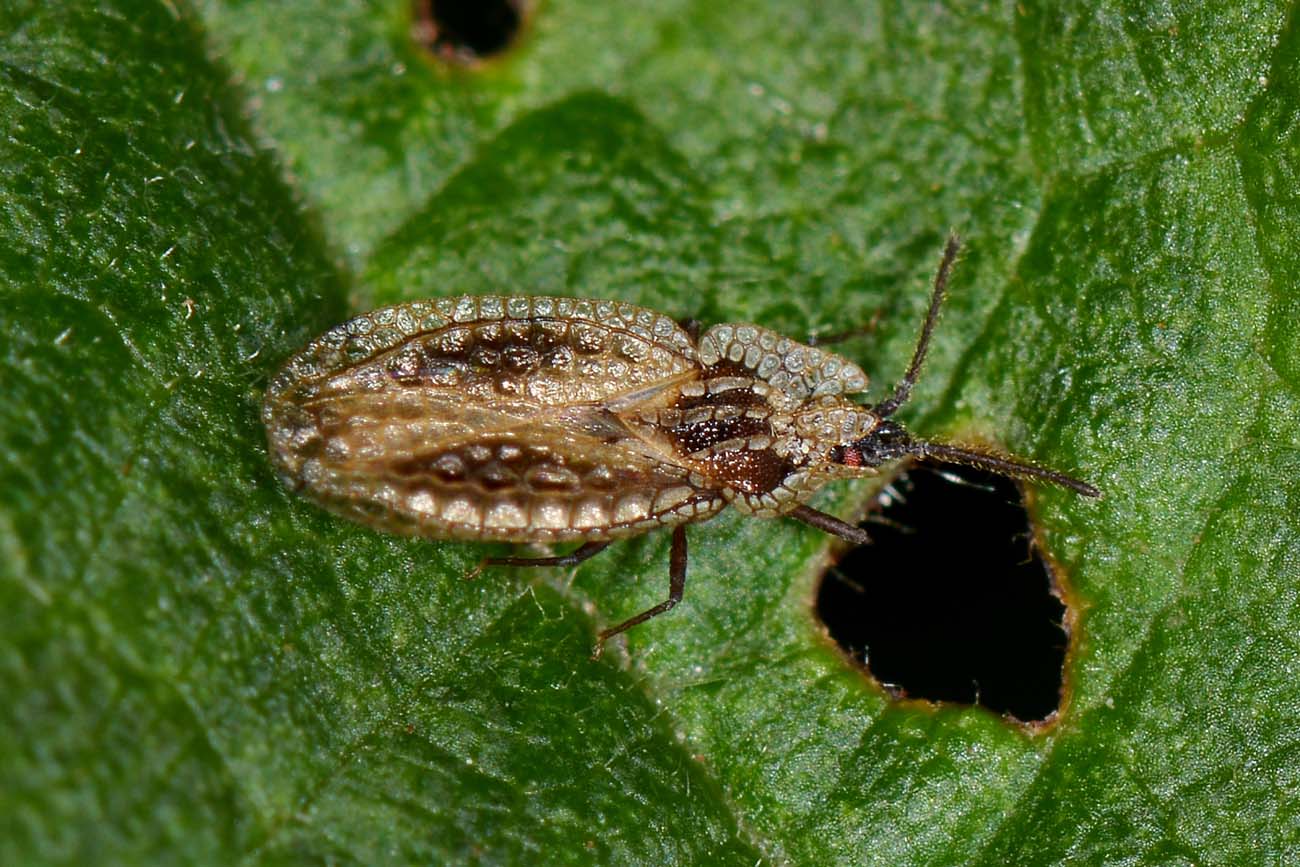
pixel 831 524
pixel 691 326
pixel 585 553
pixel 676 586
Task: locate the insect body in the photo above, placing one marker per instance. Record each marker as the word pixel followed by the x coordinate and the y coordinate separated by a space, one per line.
pixel 538 419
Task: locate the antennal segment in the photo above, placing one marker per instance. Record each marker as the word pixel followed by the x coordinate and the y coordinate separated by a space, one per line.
pixel 903 391
pixel 1002 466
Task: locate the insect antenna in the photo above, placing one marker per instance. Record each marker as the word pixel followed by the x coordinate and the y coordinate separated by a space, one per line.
pixel 889 441
pixel 903 391
pixel 1000 465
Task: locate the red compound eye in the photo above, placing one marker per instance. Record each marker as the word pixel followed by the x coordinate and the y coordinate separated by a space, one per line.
pixel 846 455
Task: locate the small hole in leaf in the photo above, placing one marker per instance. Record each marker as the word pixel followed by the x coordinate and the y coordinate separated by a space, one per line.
pixel 465 31
pixel 952 602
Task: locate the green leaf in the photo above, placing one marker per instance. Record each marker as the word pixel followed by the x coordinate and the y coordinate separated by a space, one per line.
pixel 200 666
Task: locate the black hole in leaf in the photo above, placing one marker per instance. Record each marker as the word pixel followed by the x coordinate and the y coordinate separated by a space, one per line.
pixel 467 30
pixel 951 602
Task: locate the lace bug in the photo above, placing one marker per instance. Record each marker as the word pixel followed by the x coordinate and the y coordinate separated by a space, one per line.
pixel 542 419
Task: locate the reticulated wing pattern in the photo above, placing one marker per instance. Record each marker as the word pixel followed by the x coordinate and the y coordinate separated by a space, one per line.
pixel 795 369
pixel 493 418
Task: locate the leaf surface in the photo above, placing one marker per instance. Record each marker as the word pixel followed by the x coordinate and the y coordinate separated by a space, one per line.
pixel 203 667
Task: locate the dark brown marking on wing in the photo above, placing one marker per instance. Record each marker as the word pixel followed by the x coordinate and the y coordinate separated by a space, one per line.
pixel 551 360
pixel 505 465
pixel 492 350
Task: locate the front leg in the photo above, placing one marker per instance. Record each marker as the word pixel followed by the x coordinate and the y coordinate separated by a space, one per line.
pixel 831 524
pixel 676 586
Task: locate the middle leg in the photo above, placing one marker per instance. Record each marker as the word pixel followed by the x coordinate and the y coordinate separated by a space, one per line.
pixel 676 587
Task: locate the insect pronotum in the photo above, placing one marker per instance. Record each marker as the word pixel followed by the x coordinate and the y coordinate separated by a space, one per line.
pixel 538 419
